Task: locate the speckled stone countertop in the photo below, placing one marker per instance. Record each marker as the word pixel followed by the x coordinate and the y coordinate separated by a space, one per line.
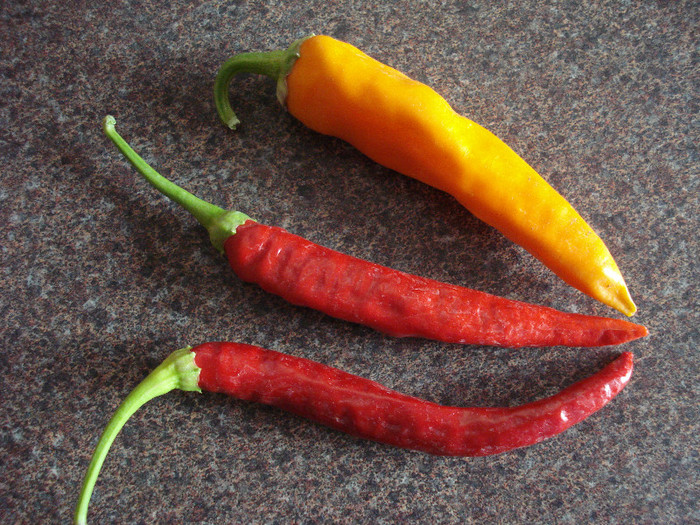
pixel 101 278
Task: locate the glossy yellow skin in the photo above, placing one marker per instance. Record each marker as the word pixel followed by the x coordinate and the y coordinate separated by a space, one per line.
pixel 404 125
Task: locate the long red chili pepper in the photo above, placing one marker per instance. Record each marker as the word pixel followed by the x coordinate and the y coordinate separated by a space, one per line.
pixel 387 300
pixel 359 406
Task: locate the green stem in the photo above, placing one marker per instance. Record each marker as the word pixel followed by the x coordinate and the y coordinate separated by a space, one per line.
pixel 274 64
pixel 220 223
pixel 178 371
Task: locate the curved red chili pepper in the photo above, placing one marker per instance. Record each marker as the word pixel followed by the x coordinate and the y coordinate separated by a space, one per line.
pixel 388 300
pixel 369 410
pixel 359 406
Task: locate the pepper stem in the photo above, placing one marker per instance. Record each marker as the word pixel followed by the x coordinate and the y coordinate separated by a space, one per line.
pixel 178 371
pixel 220 223
pixel 274 64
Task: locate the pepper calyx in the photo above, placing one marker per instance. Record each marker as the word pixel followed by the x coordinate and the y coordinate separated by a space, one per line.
pixel 224 226
pixel 289 58
pixel 274 64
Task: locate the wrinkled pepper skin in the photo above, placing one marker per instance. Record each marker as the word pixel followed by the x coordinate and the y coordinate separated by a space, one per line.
pixel 368 410
pixel 405 305
pixel 336 89
pixel 404 125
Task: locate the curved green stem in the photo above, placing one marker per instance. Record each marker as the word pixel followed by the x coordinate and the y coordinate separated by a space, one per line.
pixel 220 223
pixel 178 371
pixel 274 64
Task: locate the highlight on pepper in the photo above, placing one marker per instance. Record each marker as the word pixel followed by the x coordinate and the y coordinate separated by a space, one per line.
pixel 358 406
pixel 392 302
pixel 336 89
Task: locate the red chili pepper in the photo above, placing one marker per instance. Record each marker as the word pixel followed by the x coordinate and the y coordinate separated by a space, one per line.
pixel 387 300
pixel 359 406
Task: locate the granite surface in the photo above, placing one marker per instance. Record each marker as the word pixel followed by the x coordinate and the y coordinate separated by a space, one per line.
pixel 101 278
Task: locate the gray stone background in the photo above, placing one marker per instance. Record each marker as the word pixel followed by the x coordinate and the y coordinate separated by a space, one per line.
pixel 100 278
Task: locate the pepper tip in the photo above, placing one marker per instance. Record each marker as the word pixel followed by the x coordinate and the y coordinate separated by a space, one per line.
pixel 627 306
pixel 617 295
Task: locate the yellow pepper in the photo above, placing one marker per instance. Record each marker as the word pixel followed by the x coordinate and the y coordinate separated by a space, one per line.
pixel 336 89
